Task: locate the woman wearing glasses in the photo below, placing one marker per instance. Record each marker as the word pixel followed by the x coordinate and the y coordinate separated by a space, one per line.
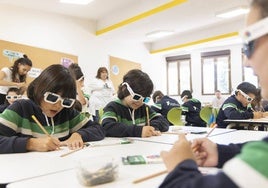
pixel 129 115
pixel 51 97
pixel 243 165
pixel 13 94
pixel 238 106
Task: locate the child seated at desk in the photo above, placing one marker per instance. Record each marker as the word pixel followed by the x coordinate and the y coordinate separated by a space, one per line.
pixel 238 106
pixel 51 96
pixel 128 115
pixel 13 94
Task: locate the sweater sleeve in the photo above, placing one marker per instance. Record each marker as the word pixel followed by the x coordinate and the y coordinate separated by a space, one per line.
pixel 226 152
pixel 13 144
pixel 118 129
pixel 92 131
pixel 160 123
pixel 187 175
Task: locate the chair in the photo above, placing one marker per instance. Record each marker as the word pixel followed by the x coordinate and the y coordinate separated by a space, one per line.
pixel 208 114
pixel 174 116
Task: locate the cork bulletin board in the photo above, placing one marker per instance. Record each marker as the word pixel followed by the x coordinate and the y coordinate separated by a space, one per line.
pixel 41 58
pixel 118 68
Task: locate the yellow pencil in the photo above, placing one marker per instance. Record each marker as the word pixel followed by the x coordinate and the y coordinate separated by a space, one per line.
pixel 150 176
pixel 40 125
pixel 147 115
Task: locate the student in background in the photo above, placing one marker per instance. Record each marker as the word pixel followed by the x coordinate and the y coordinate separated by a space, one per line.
pixel 238 106
pixel 79 77
pixel 129 115
pixel 102 91
pixel 191 109
pixel 244 165
pixel 51 97
pixel 218 100
pixel 14 76
pixel 13 94
pixel 163 103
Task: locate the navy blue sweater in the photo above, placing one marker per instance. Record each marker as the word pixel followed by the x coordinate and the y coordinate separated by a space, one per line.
pixel 186 174
pixel 232 109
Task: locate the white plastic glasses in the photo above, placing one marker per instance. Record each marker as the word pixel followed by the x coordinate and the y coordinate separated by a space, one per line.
pixel 135 96
pixel 251 34
pixel 53 98
pixel 249 99
pixel 15 97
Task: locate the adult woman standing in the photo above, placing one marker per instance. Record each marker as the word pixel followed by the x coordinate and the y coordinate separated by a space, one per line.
pixel 102 91
pixel 14 76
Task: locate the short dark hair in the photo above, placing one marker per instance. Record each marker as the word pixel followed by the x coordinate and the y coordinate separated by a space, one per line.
pixel 55 78
pixel 187 93
pixel 158 94
pixel 247 88
pixel 139 81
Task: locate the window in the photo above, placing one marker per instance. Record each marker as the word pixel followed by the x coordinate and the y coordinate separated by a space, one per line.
pixel 216 72
pixel 178 74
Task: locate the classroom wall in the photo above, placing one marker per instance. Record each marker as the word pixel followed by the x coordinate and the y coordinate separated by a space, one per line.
pixel 76 36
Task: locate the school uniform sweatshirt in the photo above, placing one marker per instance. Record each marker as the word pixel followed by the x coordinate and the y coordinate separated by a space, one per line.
pixel 232 109
pixel 17 126
pixel 247 169
pixel 119 120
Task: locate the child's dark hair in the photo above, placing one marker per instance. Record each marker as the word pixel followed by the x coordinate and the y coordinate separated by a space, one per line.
pixel 100 70
pixel 157 94
pixel 186 93
pixel 247 88
pixel 15 68
pixel 56 79
pixel 76 71
pixel 139 81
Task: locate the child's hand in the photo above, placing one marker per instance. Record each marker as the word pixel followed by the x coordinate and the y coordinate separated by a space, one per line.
pixel 180 151
pixel 43 144
pixel 148 131
pixel 74 142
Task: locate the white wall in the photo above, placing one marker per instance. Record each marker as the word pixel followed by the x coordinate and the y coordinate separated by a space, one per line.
pixel 75 36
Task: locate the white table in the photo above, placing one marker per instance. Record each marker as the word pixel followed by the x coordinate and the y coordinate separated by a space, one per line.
pixel 239 136
pixel 55 171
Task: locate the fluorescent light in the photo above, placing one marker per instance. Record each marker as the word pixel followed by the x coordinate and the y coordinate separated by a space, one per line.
pixel 233 12
pixel 159 34
pixel 78 2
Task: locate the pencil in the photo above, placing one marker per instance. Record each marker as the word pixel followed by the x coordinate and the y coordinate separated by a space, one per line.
pixel 70 152
pixel 73 151
pixel 147 115
pixel 150 176
pixel 40 125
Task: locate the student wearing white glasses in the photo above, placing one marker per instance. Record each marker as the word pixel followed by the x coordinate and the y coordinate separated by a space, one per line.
pixel 51 97
pixel 243 165
pixel 13 94
pixel 129 115
pixel 238 106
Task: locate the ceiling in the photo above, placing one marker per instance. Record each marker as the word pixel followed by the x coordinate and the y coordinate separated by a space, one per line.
pixel 113 17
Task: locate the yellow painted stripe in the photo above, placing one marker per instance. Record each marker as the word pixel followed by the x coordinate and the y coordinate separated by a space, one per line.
pixel 141 16
pixel 196 42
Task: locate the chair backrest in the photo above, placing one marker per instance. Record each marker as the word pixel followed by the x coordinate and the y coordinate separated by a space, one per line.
pixel 174 116
pixel 208 114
